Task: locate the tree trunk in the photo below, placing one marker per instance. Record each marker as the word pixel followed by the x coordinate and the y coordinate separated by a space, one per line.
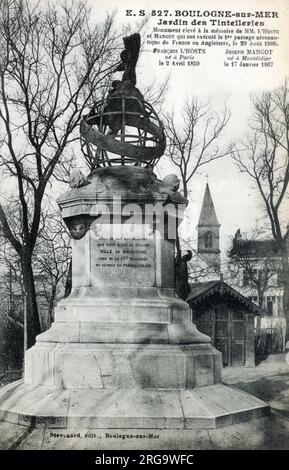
pixel 51 304
pixel 260 303
pixel 285 279
pixel 185 191
pixel 33 323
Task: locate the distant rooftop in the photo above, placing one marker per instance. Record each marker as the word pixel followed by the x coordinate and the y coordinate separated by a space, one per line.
pixel 254 248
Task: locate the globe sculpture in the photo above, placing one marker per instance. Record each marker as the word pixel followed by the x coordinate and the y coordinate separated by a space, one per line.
pixel 123 128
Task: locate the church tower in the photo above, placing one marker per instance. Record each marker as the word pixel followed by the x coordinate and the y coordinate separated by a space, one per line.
pixel 209 233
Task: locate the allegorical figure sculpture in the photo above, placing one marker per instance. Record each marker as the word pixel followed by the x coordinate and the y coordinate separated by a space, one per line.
pixel 125 87
pixel 171 184
pixel 76 177
pixel 129 58
pixel 182 274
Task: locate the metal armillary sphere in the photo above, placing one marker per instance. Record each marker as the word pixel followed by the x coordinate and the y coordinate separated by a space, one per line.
pixel 122 130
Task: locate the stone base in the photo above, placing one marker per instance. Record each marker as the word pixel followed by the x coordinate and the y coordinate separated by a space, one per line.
pixel 122 366
pixel 202 408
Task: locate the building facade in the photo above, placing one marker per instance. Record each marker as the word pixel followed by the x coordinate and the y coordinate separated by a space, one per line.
pixel 258 275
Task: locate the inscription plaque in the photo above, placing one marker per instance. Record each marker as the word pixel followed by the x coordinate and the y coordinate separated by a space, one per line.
pixel 123 262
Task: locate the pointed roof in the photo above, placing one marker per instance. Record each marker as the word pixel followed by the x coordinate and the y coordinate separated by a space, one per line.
pixel 207 290
pixel 208 214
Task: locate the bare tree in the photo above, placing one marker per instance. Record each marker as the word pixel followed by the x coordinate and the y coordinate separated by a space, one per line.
pixel 195 142
pixel 155 93
pixel 200 267
pixel 251 264
pixel 11 315
pixel 53 65
pixel 51 260
pixel 11 285
pixel 264 156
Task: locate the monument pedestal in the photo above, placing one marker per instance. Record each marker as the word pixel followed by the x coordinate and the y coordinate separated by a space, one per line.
pixel 122 352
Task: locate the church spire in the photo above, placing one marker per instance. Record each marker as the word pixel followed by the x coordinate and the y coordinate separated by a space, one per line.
pixel 208 216
pixel 209 233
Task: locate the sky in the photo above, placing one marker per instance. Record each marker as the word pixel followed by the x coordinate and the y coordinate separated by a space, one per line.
pixel 236 202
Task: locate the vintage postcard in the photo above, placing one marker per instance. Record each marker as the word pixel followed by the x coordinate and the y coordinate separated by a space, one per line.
pixel 144 222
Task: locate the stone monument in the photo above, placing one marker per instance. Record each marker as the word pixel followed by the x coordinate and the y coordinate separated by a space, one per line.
pixel 122 351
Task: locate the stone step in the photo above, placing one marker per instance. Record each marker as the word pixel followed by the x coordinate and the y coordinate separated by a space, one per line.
pixel 201 408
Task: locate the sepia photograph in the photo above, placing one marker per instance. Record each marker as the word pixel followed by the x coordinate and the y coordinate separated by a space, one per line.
pixel 144 228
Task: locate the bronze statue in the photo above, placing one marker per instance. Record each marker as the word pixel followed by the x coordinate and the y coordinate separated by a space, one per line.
pixel 182 274
pixel 126 87
pixel 129 57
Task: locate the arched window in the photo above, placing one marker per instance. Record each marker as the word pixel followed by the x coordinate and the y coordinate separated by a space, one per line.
pixel 208 240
